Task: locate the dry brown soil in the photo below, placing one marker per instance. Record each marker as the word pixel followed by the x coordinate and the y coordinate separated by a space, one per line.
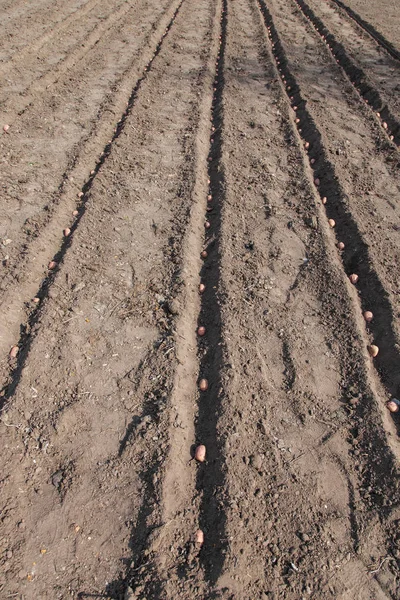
pixel 228 143
pixel 382 16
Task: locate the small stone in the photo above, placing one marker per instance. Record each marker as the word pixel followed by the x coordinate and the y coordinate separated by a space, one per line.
pixel 79 286
pixel 312 222
pixel 172 307
pixel 256 461
pixel 57 478
pixel 129 594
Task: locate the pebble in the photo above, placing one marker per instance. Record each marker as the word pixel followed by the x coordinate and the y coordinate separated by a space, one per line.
pixel 312 222
pixel 256 461
pixel 79 286
pixel 57 478
pixel 129 594
pixel 172 307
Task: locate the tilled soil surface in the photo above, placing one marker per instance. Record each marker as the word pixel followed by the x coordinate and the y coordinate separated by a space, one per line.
pixel 379 17
pixel 200 200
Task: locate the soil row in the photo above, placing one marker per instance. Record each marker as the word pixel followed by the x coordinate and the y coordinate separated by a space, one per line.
pixel 359 201
pixel 368 64
pixel 231 153
pixel 40 197
pixel 28 27
pixel 293 357
pixel 87 444
pixel 30 75
pixel 381 16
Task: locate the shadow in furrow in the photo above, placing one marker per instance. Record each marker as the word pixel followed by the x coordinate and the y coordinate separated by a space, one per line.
pixel 352 504
pixel 211 477
pixel 289 373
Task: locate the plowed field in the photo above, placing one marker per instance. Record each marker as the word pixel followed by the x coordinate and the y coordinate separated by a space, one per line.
pixel 200 250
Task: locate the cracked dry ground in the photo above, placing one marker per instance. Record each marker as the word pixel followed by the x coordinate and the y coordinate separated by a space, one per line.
pixel 187 190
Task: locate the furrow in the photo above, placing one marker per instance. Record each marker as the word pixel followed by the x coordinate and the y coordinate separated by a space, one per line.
pixel 56 27
pixel 297 497
pixel 100 425
pixel 362 254
pixel 212 350
pixel 27 269
pixel 31 82
pixel 188 490
pixel 360 76
pixel 378 37
pixel 16 365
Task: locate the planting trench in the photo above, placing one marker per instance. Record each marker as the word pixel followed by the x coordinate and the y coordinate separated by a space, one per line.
pixel 207 162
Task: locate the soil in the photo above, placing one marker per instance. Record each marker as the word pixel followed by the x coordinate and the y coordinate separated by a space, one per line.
pixel 381 16
pixel 153 147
